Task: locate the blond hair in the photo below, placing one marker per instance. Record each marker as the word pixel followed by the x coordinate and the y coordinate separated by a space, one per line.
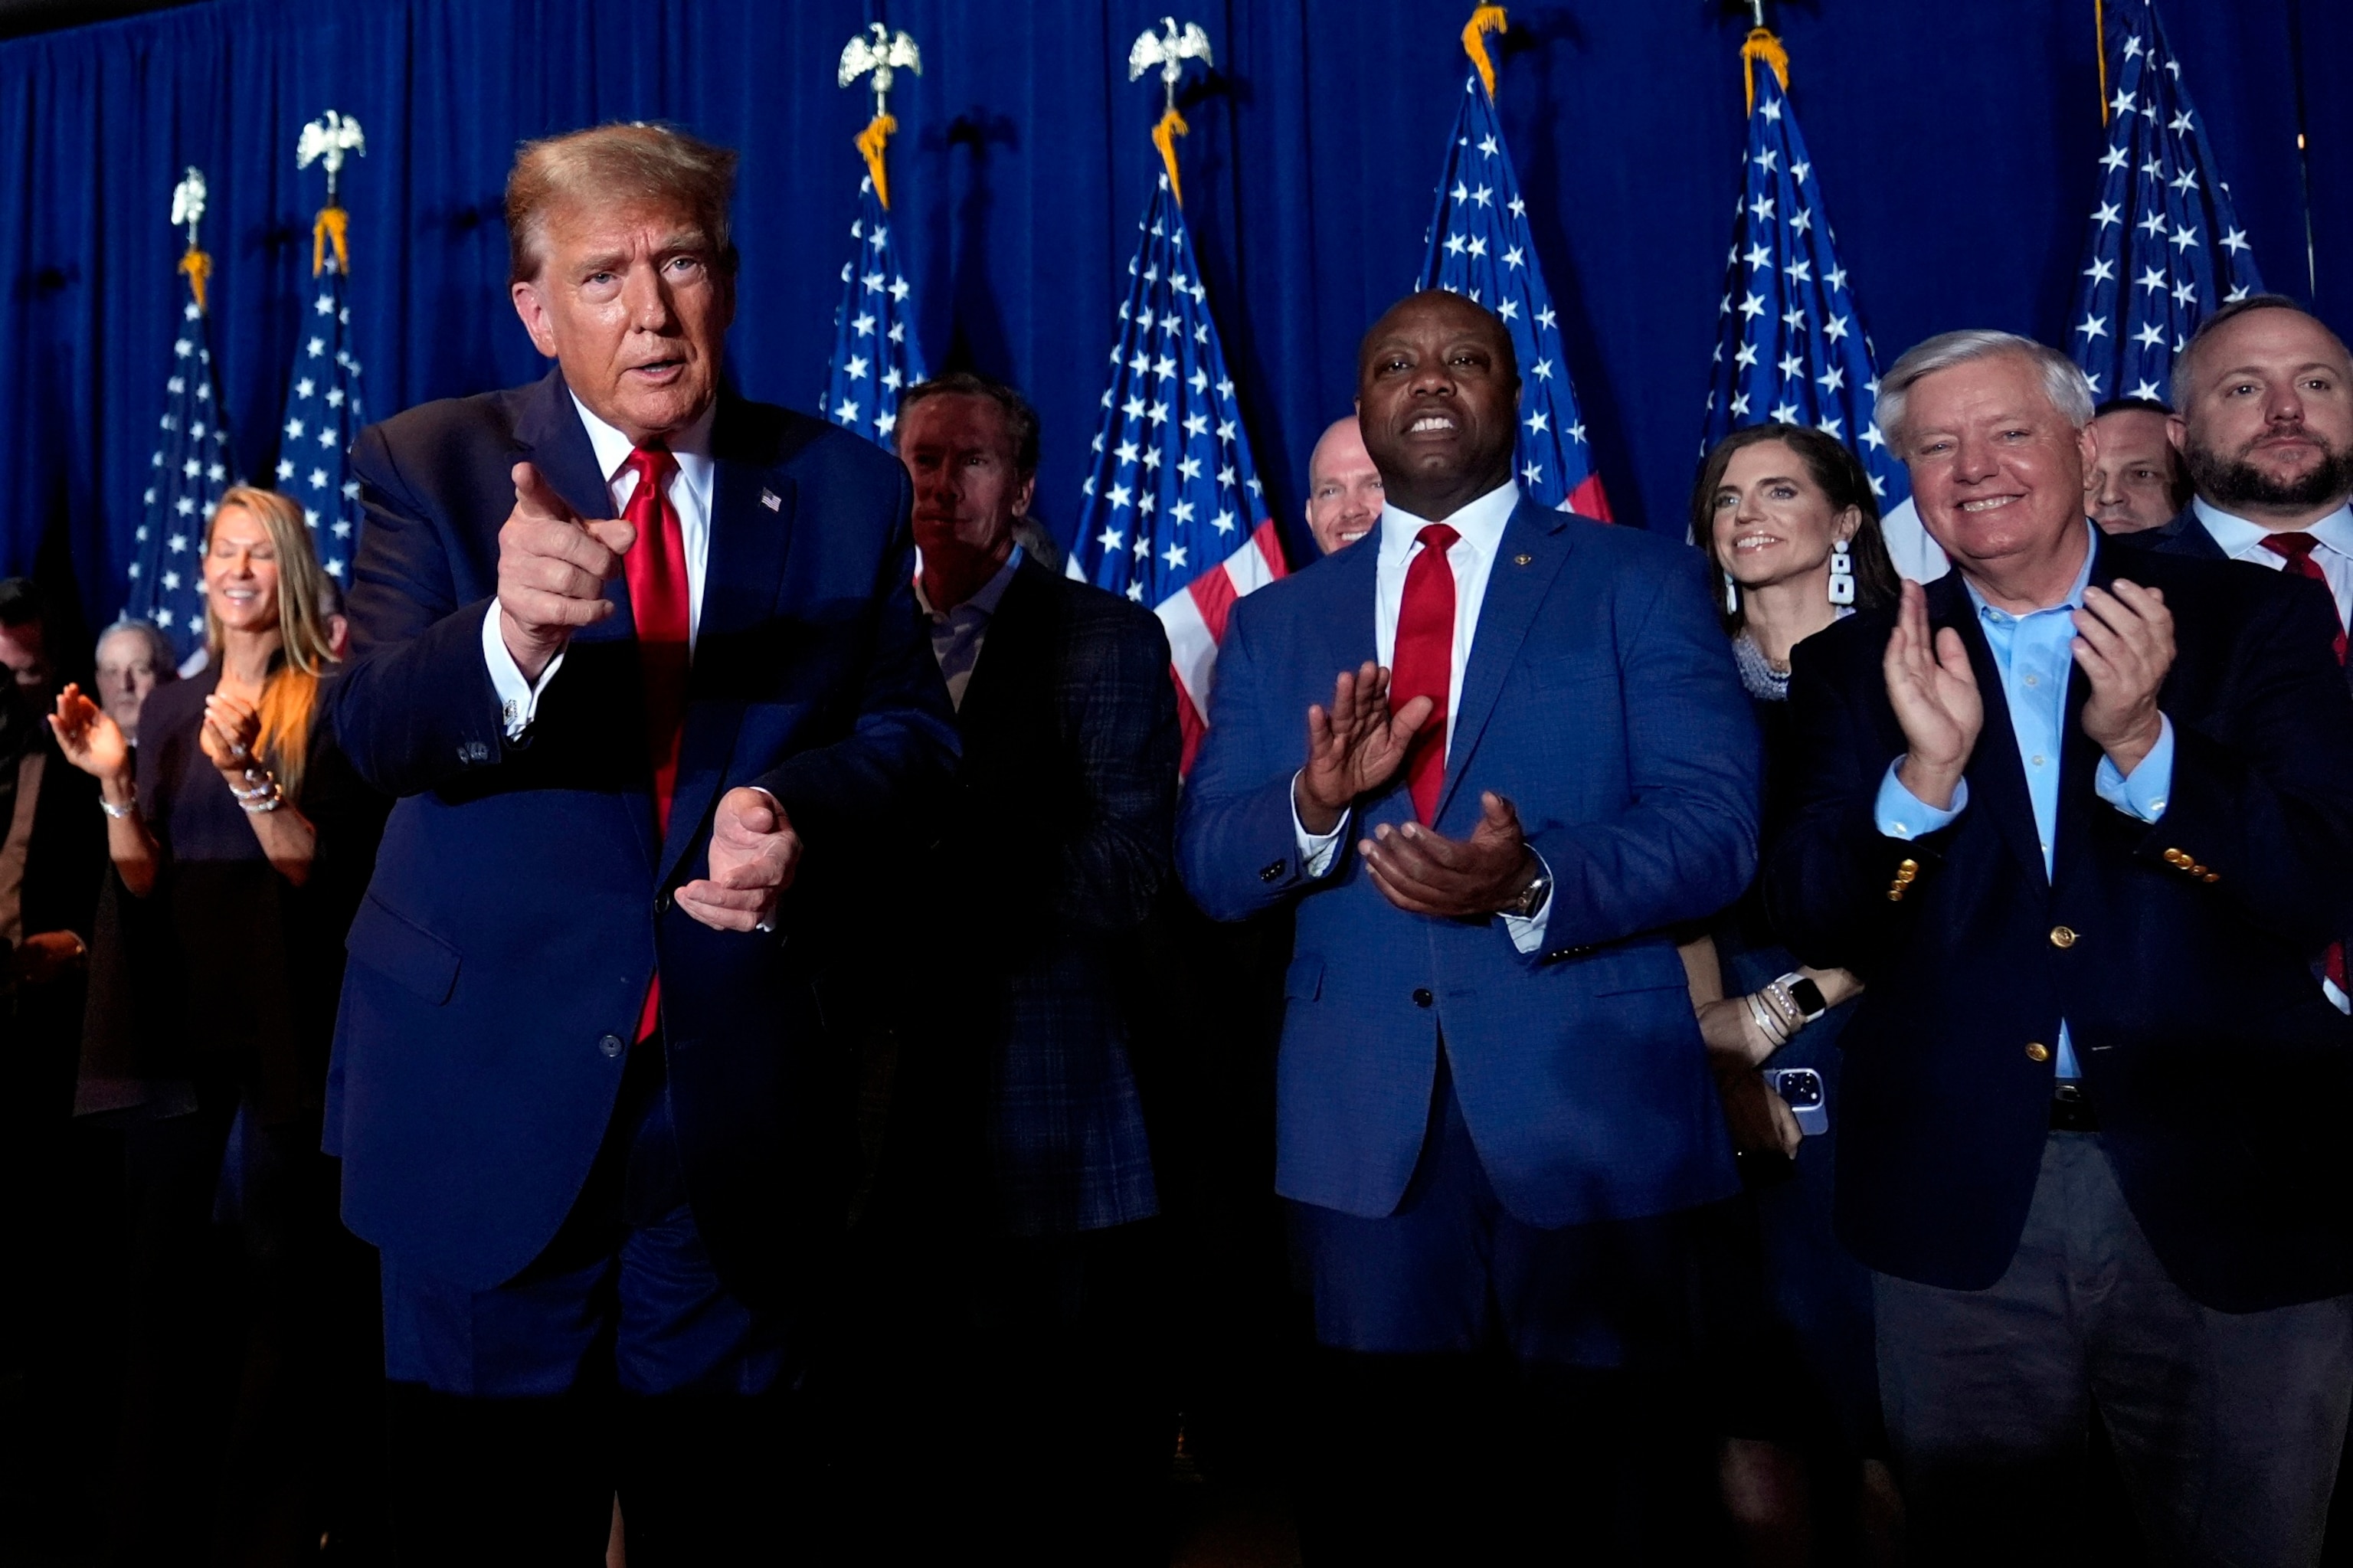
pixel 290 698
pixel 617 167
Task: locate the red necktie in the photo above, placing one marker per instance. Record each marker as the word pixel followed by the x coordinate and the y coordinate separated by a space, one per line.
pixel 1423 663
pixel 2294 546
pixel 655 569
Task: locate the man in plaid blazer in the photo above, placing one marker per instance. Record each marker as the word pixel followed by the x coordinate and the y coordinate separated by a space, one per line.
pixel 1016 1173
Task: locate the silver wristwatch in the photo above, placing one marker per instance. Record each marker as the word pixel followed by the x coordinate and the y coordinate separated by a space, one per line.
pixel 1530 898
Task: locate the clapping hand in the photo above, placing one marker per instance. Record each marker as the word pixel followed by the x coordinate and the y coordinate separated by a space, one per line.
pixel 1354 746
pixel 1425 872
pixel 89 739
pixel 232 729
pixel 1935 694
pixel 553 565
pixel 2126 647
pixel 753 854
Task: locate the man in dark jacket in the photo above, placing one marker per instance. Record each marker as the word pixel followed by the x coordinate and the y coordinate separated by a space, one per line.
pixel 2082 818
pixel 1019 1146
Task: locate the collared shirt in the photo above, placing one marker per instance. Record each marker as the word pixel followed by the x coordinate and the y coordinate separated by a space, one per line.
pixel 690 497
pixel 1472 558
pixel 957 634
pixel 2033 653
pixel 2332 547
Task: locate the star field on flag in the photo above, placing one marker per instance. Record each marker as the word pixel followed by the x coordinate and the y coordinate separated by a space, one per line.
pixel 1480 247
pixel 875 352
pixel 190 467
pixel 1790 345
pixel 1173 515
pixel 323 418
pixel 2164 248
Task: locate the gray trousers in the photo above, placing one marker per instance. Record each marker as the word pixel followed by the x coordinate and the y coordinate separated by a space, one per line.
pixel 2226 1427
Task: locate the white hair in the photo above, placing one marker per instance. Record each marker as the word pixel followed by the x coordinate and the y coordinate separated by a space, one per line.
pixel 166 657
pixel 2069 393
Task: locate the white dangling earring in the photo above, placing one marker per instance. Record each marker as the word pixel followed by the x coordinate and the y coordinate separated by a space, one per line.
pixel 1842 573
pixel 1731 594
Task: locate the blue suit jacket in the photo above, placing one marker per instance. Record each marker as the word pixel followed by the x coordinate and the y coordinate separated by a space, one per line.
pixel 2219 1071
pixel 521 900
pixel 1601 698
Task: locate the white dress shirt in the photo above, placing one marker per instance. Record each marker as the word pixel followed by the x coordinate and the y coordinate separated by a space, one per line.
pixel 1472 558
pixel 690 497
pixel 957 634
pixel 2332 547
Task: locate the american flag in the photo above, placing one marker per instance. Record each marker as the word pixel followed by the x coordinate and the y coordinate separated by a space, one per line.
pixel 1790 345
pixel 192 465
pixel 1480 247
pixel 2164 248
pixel 1173 515
pixel 875 352
pixel 323 407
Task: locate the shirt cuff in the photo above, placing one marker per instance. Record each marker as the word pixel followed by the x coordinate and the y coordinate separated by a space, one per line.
pixel 1527 932
pixel 2144 794
pixel 1316 851
pixel 518 698
pixel 1900 815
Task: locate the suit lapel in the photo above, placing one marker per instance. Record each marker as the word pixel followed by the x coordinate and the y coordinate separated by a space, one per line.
pixel 1539 537
pixel 551 437
pixel 1997 774
pixel 741 578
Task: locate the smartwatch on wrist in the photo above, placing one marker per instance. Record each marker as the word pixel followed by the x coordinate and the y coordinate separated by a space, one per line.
pixel 1809 996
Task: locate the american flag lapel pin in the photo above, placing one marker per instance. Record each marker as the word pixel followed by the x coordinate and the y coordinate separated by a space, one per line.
pixel 769 499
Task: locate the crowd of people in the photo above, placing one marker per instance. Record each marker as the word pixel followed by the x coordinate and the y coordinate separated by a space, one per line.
pixel 1615 1050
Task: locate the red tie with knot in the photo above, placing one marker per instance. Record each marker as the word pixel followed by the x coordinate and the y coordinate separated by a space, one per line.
pixel 655 569
pixel 1422 665
pixel 2295 546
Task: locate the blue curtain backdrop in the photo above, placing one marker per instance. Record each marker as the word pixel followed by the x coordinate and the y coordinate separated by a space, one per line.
pixel 1955 143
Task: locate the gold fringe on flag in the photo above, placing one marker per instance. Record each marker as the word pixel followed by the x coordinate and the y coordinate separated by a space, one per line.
pixel 1164 136
pixel 334 228
pixel 1763 46
pixel 198 267
pixel 870 143
pixel 2100 53
pixel 1485 19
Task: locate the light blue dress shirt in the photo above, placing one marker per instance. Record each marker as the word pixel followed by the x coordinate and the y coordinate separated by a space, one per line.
pixel 2035 655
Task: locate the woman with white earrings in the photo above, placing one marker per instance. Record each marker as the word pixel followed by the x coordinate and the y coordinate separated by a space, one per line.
pixel 1788 520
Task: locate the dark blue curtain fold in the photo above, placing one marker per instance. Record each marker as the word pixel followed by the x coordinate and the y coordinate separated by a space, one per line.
pixel 1956 145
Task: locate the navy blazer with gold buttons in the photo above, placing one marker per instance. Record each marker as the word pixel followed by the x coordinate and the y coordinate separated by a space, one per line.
pixel 2181 954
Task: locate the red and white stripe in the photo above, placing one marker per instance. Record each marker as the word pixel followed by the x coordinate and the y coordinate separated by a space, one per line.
pixel 1195 618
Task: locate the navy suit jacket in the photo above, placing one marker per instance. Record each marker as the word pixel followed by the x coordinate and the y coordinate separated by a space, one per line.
pixel 521 901
pixel 2184 534
pixel 1601 698
pixel 2218 1070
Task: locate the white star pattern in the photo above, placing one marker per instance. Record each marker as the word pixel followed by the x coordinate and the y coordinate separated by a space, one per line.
pixel 873 360
pixel 1785 275
pixel 2151 272
pixel 1170 419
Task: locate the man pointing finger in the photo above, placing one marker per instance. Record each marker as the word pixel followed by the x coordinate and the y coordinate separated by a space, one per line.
pixel 578 1080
